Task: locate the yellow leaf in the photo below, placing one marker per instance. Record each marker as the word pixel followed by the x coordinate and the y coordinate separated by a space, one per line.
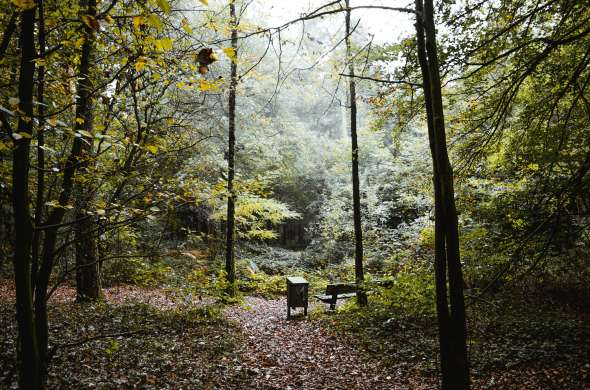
pixel 137 21
pixel 153 149
pixel 52 121
pixel 24 4
pixel 206 2
pixel 166 43
pixel 186 27
pixel 230 52
pixel 109 19
pixel 80 121
pixel 91 22
pixel 79 42
pixel 140 64
pixel 204 85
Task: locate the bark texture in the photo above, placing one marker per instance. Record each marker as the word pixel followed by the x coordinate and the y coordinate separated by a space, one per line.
pixel 88 286
pixel 40 198
pixel 230 267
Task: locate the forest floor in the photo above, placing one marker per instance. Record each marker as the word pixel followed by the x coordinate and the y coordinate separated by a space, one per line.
pixel 150 338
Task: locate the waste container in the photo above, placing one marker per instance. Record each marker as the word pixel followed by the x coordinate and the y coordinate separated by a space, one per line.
pixel 297 293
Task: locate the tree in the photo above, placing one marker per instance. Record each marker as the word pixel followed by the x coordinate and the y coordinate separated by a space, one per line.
pixel 356 197
pixel 230 266
pixel 29 359
pixel 87 262
pixel 451 320
pixel 522 117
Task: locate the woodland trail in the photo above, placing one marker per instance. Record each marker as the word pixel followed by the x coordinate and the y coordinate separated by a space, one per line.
pixel 304 354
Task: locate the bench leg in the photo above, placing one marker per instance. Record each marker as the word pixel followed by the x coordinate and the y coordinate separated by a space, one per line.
pixel 305 310
pixel 332 305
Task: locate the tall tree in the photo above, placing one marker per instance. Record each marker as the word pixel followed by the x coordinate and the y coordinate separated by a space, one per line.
pixel 451 320
pixel 356 197
pixel 230 266
pixel 87 264
pixel 29 364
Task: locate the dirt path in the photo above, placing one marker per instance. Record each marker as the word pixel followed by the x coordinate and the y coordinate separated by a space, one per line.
pixel 301 354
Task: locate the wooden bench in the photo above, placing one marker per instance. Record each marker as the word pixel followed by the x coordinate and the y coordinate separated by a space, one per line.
pixel 337 291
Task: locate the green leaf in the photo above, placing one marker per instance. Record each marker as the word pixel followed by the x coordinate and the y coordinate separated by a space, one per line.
pixel 24 4
pixel 85 133
pixel 164 5
pixel 167 43
pixel 155 21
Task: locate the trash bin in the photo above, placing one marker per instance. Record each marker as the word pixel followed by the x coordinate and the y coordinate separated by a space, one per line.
pixel 297 292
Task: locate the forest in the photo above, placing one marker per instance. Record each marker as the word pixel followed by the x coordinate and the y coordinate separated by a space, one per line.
pixel 310 194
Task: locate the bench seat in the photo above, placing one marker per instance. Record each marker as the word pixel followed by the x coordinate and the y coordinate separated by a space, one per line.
pixel 328 298
pixel 337 291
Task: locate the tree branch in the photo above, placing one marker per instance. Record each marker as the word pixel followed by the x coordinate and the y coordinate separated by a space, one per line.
pixel 409 83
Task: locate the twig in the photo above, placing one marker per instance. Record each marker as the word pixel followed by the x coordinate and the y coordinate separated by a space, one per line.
pixel 416 85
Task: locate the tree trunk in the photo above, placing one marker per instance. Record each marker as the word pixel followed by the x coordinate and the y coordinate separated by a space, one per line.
pixel 40 197
pixel 88 285
pixel 356 198
pixel 87 265
pixel 230 267
pixel 452 328
pixel 29 365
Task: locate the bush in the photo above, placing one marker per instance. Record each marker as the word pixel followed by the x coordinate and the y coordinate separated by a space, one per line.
pixel 411 294
pixel 261 284
pixel 139 271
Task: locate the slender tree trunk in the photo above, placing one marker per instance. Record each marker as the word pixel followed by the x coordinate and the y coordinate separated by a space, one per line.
pixel 29 365
pixel 440 256
pixel 88 283
pixel 230 267
pixel 40 197
pixel 88 286
pixel 452 328
pixel 57 214
pixel 356 197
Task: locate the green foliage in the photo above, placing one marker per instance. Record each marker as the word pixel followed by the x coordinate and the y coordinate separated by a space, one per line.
pixel 143 272
pixel 218 287
pixel 254 213
pixel 412 293
pixel 261 284
pixel 113 347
